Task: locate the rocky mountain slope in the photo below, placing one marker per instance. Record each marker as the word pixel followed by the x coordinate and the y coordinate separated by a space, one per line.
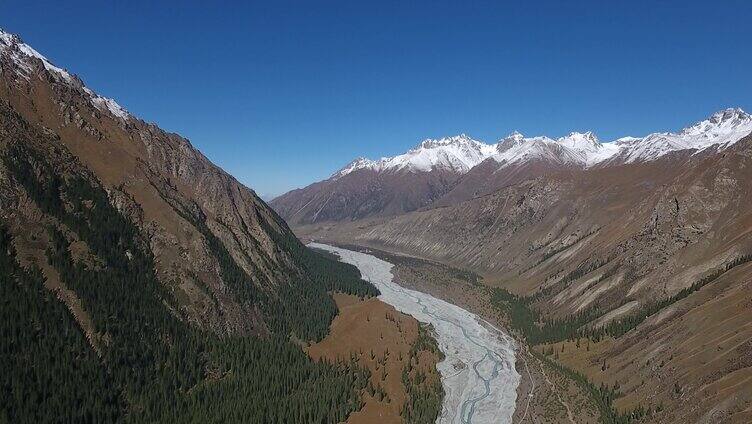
pixel 389 186
pixel 627 262
pixel 176 196
pixel 633 257
pixel 470 168
pixel 177 293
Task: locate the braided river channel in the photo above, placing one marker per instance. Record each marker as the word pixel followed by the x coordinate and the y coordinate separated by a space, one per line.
pixel 478 374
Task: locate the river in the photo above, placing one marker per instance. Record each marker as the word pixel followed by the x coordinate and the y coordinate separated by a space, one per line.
pixel 478 374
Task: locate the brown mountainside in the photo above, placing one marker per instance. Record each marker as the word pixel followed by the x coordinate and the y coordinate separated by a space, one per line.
pixel 364 193
pixel 164 185
pixel 658 250
pixel 142 283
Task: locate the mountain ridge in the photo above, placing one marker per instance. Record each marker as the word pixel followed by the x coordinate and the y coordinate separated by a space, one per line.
pixel 722 127
pixel 437 172
pixel 21 53
pixel 143 282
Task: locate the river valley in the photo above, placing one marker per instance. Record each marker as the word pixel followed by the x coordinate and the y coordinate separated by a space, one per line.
pixel 478 373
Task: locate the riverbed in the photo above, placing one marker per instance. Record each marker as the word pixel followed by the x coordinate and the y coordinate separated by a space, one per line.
pixel 478 374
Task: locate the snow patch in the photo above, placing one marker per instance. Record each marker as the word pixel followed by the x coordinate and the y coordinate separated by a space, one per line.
pixel 105 103
pixel 21 53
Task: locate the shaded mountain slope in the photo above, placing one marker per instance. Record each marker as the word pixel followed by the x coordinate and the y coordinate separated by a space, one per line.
pixel 141 282
pixel 364 193
pixel 185 206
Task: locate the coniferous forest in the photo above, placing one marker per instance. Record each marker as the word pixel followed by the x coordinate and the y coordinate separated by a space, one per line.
pixel 148 365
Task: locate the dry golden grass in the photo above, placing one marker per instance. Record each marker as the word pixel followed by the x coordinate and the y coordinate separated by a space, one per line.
pixel 694 358
pixel 381 338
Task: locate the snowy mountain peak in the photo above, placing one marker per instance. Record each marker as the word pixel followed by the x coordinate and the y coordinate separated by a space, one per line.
pixel 21 53
pixel 457 154
pixel 721 129
pixel 457 140
pixel 734 115
pixel 513 138
pixel 723 121
pixel 576 149
pixel 460 153
pixel 586 136
pixel 580 141
pixel 24 61
pixel 357 163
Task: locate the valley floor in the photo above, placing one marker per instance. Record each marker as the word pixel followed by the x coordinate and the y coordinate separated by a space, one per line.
pixel 478 372
pixel 544 394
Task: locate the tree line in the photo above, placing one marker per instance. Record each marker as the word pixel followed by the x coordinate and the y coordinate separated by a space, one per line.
pixel 425 394
pixel 152 366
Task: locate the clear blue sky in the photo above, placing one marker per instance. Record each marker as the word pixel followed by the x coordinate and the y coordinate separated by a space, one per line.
pixel 281 94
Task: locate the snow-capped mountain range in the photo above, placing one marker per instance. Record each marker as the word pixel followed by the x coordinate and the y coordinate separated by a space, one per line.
pixel 461 153
pixel 458 153
pixel 24 59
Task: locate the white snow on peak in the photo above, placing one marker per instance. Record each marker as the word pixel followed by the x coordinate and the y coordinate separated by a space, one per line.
pixel 580 141
pixel 20 54
pixel 576 149
pixel 461 153
pixel 457 153
pixel 515 136
pixel 358 163
pixel 719 125
pixel 722 129
pixel 103 103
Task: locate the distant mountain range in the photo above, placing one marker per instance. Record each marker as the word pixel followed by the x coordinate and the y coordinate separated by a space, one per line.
pixel 628 261
pixel 452 169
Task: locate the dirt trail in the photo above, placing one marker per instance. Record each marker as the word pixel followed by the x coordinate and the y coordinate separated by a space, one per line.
pixel 563 403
